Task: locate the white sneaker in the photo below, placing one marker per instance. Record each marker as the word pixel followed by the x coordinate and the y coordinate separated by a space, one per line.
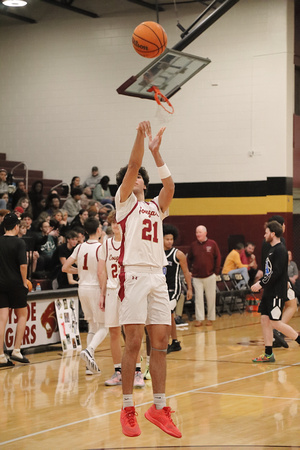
pixel 138 380
pixel 115 379
pixel 90 362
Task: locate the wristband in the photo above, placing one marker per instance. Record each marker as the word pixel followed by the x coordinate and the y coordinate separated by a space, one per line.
pixel 164 172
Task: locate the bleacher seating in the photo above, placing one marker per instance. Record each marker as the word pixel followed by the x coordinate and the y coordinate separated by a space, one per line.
pixel 20 172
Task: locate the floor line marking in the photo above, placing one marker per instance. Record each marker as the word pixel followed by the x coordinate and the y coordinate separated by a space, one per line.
pixel 143 404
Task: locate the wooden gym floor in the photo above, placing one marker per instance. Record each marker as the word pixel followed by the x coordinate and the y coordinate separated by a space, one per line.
pixel 222 400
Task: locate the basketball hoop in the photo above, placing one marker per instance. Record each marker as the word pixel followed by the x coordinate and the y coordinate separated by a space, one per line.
pixel 159 96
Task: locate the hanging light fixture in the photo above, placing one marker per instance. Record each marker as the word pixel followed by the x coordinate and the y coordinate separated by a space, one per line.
pixel 14 3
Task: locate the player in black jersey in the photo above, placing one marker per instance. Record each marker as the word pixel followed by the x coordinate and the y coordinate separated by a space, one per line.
pixel 275 283
pixel 176 261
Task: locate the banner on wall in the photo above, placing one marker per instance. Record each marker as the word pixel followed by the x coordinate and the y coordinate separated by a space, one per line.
pixel 68 324
pixel 41 326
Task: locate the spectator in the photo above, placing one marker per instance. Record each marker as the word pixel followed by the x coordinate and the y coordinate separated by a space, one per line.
pixel 3 183
pixel 41 218
pixel 94 179
pixel 46 246
pixel 32 256
pixel 204 261
pixel 13 287
pixel 19 211
pixel 293 271
pixel 24 202
pixel 75 183
pixel 3 213
pixel 82 235
pixel 80 219
pixel 247 257
pixel 86 198
pixel 53 204
pixel 233 264
pixel 19 192
pixel 36 196
pixel 60 256
pixel 72 204
pixel 102 193
pixel 5 200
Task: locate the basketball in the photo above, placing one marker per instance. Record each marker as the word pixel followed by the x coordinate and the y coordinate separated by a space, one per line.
pixel 149 39
pixel 29 284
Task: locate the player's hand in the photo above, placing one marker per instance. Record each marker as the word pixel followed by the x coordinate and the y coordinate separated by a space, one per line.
pixel 102 302
pixel 189 294
pixel 154 143
pixel 256 287
pixel 144 128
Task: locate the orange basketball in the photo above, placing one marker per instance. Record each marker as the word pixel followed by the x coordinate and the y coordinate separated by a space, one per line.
pixel 29 284
pixel 149 39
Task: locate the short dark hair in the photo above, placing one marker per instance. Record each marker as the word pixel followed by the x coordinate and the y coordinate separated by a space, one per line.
pixel 142 171
pixel 275 227
pixel 239 246
pixel 71 234
pixel 76 191
pixel 278 219
pixel 91 224
pixel 249 243
pixel 170 229
pixel 26 214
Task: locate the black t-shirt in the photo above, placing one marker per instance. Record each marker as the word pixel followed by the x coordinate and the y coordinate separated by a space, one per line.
pixel 12 256
pixel 275 277
pixel 62 278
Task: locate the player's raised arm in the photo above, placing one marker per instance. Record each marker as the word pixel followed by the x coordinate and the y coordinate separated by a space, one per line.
pixel 135 160
pixel 167 192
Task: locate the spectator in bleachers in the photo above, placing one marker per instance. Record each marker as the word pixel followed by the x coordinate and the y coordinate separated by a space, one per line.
pixel 25 203
pixel 293 271
pixel 5 200
pixel 3 183
pixel 81 233
pixel 36 224
pixel 247 257
pixel 72 204
pixel 60 256
pixel 93 179
pixel 32 255
pixel 75 183
pixel 46 246
pixel 18 211
pixel 102 193
pixel 80 218
pixel 53 203
pixel 19 192
pixel 3 213
pixel 86 198
pixel 36 196
pixel 233 264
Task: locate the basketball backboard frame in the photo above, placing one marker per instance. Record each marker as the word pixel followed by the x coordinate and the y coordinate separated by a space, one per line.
pixel 169 71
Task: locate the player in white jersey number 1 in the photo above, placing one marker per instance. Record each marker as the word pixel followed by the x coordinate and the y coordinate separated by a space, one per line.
pixel 143 289
pixel 86 257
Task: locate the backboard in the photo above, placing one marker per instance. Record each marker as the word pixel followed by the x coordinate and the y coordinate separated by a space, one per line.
pixel 168 72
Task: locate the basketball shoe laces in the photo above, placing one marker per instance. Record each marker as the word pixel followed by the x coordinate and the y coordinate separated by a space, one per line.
pixel 131 416
pixel 168 412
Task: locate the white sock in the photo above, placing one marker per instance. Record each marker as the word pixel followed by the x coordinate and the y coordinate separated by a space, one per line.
pixel 127 400
pixel 17 352
pixel 117 366
pixel 148 360
pixel 138 367
pixel 99 336
pixel 159 400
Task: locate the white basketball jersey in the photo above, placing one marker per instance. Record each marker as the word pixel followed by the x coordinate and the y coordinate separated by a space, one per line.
pixel 86 256
pixel 110 252
pixel 142 233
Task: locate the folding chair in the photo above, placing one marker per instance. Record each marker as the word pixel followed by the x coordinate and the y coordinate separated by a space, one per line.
pixel 241 293
pixel 223 294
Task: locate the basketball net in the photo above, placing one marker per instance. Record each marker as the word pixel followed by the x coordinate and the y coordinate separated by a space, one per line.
pixel 159 96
